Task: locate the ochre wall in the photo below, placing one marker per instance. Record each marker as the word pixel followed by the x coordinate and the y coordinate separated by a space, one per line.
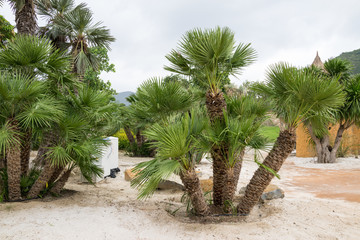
pixel 306 148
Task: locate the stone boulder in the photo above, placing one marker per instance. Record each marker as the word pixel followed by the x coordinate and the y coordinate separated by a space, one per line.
pixel 271 192
pixel 170 185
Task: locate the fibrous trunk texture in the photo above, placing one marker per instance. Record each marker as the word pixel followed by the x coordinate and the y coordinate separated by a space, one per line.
pixel 56 174
pixel 220 172
pixel 129 135
pixel 14 165
pixel 48 140
pixel 2 160
pixel 283 146
pixel 139 139
pixel 324 151
pixel 192 186
pixel 233 175
pixel 216 105
pixel 59 185
pixel 43 181
pixel 25 18
pixel 25 151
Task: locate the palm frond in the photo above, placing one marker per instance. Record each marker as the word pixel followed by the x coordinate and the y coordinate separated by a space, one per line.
pixel 210 55
pixel 298 95
pixel 149 174
pixel 8 137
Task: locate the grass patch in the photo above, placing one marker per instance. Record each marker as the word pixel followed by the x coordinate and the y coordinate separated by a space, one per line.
pixel 270 132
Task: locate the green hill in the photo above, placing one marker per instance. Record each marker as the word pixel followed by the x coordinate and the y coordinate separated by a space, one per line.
pixel 354 58
pixel 121 97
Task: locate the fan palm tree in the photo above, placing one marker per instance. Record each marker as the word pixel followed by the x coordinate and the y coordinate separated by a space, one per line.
pixel 296 96
pixel 23 105
pixel 81 34
pixel 176 143
pixel 25 16
pixel 153 101
pixel 37 58
pixel 211 56
pixel 347 115
pixel 78 142
pixel 246 115
pixel 52 10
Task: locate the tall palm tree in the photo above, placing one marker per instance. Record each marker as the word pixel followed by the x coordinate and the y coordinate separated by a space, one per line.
pixel 296 96
pixel 52 10
pixel 346 115
pixel 81 34
pixel 25 16
pixel 211 56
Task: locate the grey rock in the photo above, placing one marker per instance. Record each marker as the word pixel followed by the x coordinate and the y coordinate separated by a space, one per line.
pixel 273 192
pixel 170 185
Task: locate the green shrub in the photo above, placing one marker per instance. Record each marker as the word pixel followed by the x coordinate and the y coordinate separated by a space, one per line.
pixel 144 151
pixel 124 143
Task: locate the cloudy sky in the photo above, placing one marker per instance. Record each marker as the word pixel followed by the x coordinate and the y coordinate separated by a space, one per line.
pixel 279 30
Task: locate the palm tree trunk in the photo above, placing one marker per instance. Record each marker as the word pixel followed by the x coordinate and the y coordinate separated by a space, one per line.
pixel 283 146
pixel 2 160
pixel 324 151
pixel 216 105
pixel 25 151
pixel 129 135
pixel 192 186
pixel 219 175
pixel 232 180
pixel 56 174
pixel 43 181
pixel 25 18
pixel 14 165
pixel 48 140
pixel 139 139
pixel 59 185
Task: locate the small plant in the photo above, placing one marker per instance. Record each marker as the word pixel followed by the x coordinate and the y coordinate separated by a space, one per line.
pixel 230 207
pixel 343 150
pixel 26 182
pixel 185 199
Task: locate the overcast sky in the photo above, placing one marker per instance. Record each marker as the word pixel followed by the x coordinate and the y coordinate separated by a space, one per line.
pixel 279 30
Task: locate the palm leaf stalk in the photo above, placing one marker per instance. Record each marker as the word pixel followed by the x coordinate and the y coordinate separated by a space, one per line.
pixel 296 95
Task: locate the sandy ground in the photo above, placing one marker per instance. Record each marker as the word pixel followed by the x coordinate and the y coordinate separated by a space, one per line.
pixel 321 202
